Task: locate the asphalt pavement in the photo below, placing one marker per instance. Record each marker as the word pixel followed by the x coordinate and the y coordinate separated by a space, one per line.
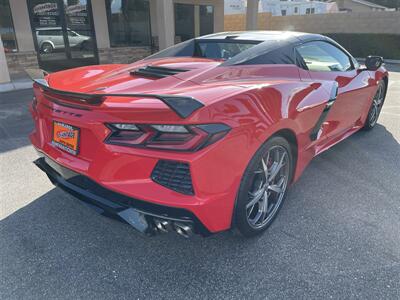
pixel 337 236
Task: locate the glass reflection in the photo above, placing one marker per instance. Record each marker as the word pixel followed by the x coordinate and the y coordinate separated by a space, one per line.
pixel 46 21
pixel 7 27
pixel 64 33
pixel 190 19
pixel 79 28
pixel 129 22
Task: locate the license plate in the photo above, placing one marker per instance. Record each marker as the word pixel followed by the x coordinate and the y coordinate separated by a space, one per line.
pixel 66 137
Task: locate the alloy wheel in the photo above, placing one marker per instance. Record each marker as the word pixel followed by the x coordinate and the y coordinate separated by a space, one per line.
pixel 376 105
pixel 47 48
pixel 268 188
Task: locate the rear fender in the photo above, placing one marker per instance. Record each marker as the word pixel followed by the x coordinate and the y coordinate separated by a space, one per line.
pixel 295 106
pixel 48 42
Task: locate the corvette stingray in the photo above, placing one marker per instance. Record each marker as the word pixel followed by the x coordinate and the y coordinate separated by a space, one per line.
pixel 207 135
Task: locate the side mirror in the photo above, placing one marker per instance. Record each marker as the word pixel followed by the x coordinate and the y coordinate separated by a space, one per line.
pixel 373 63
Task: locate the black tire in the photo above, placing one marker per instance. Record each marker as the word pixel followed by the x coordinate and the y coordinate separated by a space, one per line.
pixel 85 46
pixel 46 48
pixel 243 216
pixel 376 106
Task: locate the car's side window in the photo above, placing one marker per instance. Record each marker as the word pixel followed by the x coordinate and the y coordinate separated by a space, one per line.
pixel 324 57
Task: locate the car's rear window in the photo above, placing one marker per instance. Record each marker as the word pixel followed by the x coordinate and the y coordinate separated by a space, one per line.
pixel 215 49
pixel 50 32
pixel 220 50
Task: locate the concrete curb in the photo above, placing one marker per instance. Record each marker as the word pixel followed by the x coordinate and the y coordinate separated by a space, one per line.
pixel 388 61
pixel 16 85
pixel 392 61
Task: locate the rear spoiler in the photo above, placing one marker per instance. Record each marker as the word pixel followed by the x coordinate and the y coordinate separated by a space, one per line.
pixel 183 106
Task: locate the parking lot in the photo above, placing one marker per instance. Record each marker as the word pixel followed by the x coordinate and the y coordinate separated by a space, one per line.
pixel 337 236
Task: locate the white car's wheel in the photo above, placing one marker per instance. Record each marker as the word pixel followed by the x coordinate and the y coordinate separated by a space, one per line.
pixel 47 48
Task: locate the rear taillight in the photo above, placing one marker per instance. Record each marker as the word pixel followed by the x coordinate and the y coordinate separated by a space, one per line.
pixel 168 137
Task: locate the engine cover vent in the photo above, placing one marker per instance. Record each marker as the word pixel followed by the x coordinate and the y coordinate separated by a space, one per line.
pixel 156 72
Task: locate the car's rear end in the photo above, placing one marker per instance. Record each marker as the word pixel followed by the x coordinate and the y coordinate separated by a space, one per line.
pixel 136 157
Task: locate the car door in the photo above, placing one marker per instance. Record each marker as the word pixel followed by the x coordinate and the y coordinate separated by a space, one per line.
pixel 59 38
pixel 73 38
pixel 326 61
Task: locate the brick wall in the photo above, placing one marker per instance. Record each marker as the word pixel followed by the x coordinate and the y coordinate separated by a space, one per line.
pixel 19 61
pixel 122 55
pixel 234 22
pixel 355 22
pixel 264 20
pixel 238 21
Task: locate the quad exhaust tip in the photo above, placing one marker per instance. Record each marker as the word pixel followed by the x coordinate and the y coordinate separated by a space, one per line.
pixel 180 228
pixel 183 230
pixel 162 225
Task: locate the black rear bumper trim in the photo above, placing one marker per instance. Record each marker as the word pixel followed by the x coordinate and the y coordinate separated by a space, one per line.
pixel 113 204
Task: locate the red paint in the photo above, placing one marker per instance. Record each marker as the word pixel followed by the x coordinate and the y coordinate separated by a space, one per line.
pixel 255 101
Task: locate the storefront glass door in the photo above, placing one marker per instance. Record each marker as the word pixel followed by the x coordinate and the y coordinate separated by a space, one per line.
pixel 63 33
pixel 192 21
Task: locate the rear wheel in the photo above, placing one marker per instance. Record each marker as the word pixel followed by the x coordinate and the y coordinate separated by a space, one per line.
pixel 263 187
pixel 85 46
pixel 47 48
pixel 376 106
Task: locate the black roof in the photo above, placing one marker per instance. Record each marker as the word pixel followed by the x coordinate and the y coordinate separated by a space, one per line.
pixel 272 47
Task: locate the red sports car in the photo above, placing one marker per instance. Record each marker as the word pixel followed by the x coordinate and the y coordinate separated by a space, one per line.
pixel 206 135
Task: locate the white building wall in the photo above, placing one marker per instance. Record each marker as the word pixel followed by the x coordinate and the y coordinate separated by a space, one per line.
pixel 22 26
pixel 276 6
pixel 4 75
pixel 295 7
pixel 233 7
pixel 101 24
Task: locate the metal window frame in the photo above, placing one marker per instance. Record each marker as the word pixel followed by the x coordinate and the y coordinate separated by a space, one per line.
pixel 63 25
pixel 151 45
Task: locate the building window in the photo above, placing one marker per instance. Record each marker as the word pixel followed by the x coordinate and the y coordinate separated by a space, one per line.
pixel 206 19
pixel 310 11
pixel 283 12
pixel 129 22
pixel 296 10
pixel 186 26
pixel 184 22
pixel 7 27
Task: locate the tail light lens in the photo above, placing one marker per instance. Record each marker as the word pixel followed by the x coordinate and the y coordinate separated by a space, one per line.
pixel 168 137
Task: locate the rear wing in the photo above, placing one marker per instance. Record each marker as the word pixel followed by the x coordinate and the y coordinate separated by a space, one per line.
pixel 183 106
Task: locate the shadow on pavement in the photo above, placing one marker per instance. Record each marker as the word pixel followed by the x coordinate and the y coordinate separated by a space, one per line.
pixel 15 119
pixel 336 233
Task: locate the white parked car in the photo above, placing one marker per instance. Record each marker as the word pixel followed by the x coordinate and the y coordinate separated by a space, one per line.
pixel 51 38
